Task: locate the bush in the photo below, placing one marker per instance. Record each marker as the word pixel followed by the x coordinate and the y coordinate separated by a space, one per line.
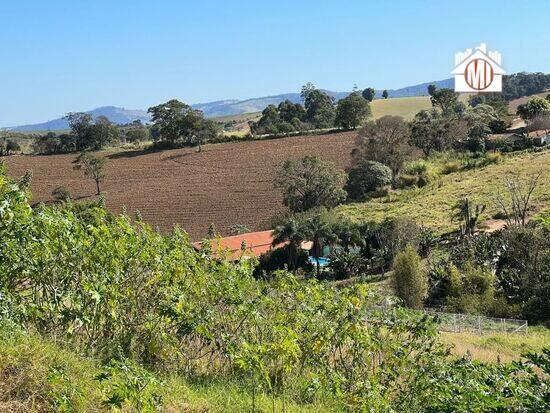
pixel 451 167
pixel 410 278
pixel 277 259
pixel 406 181
pixel 366 177
pixel 345 264
pixel 61 193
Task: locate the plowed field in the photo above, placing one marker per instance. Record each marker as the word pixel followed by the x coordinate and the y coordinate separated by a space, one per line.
pixel 225 184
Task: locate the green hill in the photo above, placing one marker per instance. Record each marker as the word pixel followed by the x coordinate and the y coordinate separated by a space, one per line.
pixel 431 205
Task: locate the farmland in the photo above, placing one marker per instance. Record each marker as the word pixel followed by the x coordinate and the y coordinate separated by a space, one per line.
pixel 230 184
pixel 225 184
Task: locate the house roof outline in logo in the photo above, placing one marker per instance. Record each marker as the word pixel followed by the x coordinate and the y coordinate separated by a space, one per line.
pixel 480 53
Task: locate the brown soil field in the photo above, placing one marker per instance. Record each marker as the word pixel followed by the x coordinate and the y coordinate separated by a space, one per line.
pixel 225 184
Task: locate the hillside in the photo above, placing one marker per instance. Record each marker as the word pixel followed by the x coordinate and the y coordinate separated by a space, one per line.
pixel 229 184
pixel 431 205
pixel 222 107
pixel 225 184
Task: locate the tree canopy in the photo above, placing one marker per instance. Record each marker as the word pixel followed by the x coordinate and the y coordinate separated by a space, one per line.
pixel 310 183
pixel 352 111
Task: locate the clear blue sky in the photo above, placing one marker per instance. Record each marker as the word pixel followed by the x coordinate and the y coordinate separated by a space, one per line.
pixel 60 56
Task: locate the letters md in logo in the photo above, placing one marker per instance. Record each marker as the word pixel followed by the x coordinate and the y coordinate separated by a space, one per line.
pixel 478 70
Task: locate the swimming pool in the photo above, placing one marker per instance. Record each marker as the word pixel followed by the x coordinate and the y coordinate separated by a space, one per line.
pixel 322 261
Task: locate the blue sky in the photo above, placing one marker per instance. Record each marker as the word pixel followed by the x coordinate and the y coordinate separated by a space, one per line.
pixel 60 56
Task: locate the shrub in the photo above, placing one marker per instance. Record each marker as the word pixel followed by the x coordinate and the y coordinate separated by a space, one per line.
pixel 407 181
pixel 366 177
pixel 450 167
pixel 61 193
pixel 410 278
pixel 277 259
pixel 346 264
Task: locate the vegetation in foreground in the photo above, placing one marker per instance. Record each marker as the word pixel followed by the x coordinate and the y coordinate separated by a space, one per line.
pixel 149 307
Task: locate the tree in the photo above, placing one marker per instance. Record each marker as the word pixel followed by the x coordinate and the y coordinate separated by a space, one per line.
pixel 352 111
pixel 366 176
pixel 515 200
pixel 385 140
pixel 136 134
pixel 444 99
pixel 318 230
pixel 92 166
pixel 534 108
pixel 369 94
pixel 176 123
pixel 319 106
pixel 289 232
pixel 432 131
pixel 410 278
pixel 9 146
pixel 310 183
pixel 289 111
pixel 286 117
pixel 102 133
pixel 81 125
pixel 347 234
pixel 385 94
pixel 431 89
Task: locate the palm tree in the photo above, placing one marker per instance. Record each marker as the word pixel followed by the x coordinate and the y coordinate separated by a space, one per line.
pixel 319 231
pixel 348 235
pixel 289 231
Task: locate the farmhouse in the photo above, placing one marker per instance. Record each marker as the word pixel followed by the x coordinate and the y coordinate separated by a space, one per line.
pixel 251 244
pixel 233 248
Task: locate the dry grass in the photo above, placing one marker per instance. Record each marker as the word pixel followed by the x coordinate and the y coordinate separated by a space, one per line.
pixel 431 205
pixel 498 346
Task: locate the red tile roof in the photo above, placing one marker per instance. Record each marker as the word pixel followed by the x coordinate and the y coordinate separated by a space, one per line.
pixel 256 243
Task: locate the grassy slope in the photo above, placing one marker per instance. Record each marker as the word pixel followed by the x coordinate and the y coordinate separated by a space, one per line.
pixel 431 205
pixel 405 107
pixel 492 347
pixel 38 376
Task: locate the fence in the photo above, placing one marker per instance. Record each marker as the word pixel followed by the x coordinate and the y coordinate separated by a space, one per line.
pixel 478 324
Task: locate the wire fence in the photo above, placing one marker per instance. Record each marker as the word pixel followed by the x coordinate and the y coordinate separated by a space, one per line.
pixel 457 323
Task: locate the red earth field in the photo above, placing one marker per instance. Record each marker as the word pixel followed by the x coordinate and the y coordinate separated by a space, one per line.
pixel 225 184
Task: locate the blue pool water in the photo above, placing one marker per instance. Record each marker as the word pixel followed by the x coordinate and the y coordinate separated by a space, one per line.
pixel 322 261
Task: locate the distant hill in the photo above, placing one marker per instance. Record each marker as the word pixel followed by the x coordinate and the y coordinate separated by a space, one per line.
pixel 223 107
pixel 115 114
pixel 235 107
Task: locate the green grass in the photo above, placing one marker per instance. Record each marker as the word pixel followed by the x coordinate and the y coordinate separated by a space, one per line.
pixel 431 205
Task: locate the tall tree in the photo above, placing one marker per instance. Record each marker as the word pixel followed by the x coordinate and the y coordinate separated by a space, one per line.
pixel 289 232
pixel 535 107
pixel 352 111
pixel 320 110
pixel 444 99
pixel 309 183
pixel 319 231
pixel 176 123
pixel 432 131
pixel 384 140
pixel 369 94
pixel 385 94
pixel 81 126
